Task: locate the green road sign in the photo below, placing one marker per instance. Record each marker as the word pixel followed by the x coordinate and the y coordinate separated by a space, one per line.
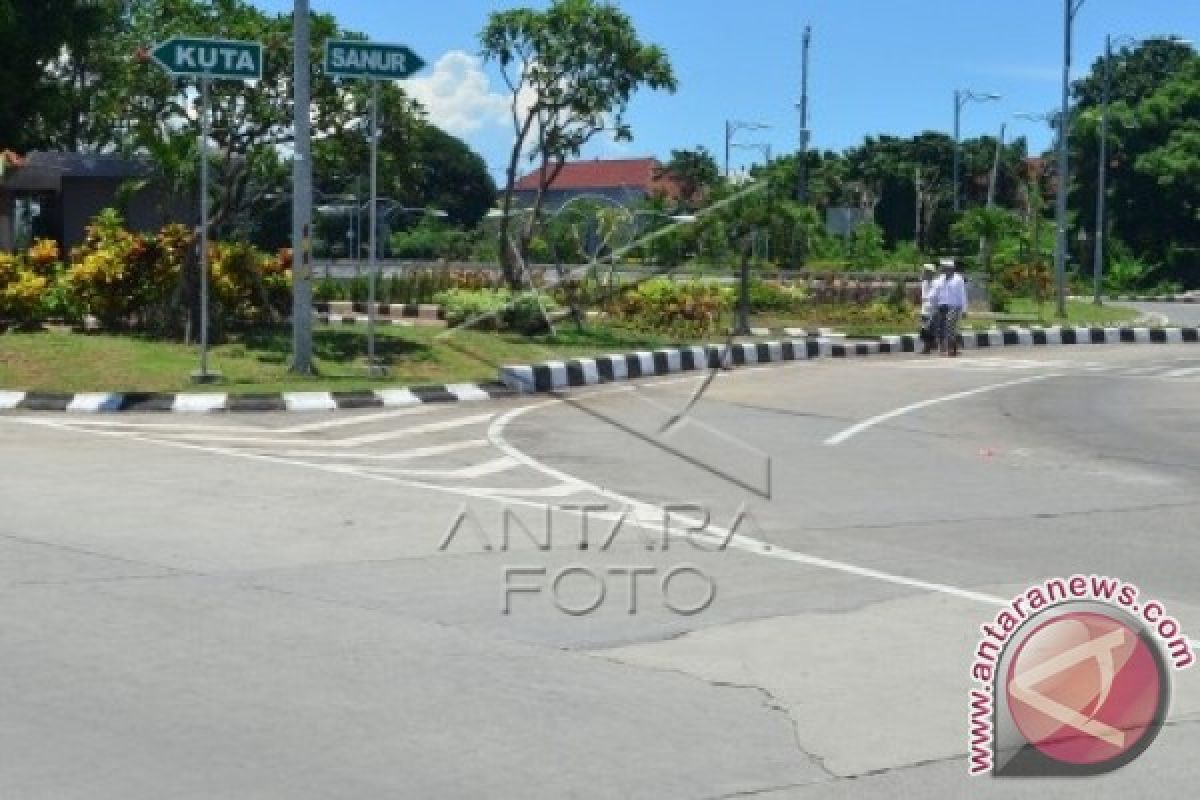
pixel 210 58
pixel 384 62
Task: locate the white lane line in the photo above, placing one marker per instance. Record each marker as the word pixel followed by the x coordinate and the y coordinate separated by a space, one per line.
pixel 403 455
pixel 1179 373
pixel 492 467
pixel 353 441
pixel 866 424
pixel 359 419
pixel 738 541
pixel 573 484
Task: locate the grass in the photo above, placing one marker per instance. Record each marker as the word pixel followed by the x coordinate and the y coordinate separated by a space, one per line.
pixel 1079 312
pixel 63 361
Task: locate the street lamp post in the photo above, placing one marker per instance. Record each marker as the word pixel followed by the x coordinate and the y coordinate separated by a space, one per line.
pixel 731 129
pixel 1070 9
pixel 802 155
pixel 961 98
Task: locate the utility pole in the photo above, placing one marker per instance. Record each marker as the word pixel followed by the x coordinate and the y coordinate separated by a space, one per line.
pixel 1070 9
pixel 802 159
pixel 1098 258
pixel 302 312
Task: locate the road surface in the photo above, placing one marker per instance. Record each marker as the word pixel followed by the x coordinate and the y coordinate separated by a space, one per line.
pixel 296 606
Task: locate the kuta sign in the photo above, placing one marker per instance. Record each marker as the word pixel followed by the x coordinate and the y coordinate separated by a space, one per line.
pixel 210 58
pixel 350 59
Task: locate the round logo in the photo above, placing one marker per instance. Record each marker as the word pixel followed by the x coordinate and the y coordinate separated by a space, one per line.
pixel 1086 689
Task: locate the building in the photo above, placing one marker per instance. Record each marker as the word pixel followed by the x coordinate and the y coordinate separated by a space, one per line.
pixel 624 181
pixel 54 195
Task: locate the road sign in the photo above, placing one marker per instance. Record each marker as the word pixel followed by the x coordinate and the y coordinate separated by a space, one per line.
pixel 210 58
pixel 381 62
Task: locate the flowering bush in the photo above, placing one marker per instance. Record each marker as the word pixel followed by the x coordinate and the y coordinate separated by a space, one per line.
pixel 661 304
pixel 123 278
pixel 21 291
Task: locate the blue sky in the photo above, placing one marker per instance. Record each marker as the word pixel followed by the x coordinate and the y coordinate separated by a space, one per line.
pixel 877 66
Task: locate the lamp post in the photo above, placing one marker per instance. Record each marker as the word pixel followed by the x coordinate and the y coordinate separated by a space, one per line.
pixel 961 98
pixel 802 155
pixel 1070 9
pixel 1051 118
pixel 732 126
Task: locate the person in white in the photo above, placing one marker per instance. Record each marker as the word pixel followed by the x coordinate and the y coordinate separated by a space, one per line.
pixel 950 299
pixel 929 281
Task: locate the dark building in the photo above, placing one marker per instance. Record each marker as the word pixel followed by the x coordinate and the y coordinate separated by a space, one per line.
pixel 55 195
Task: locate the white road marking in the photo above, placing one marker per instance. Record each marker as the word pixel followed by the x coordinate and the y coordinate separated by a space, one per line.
pixel 1179 373
pixel 353 441
pixel 403 455
pixel 854 430
pixel 502 464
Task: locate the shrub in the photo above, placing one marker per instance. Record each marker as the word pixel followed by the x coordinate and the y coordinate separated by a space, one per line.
pixel 21 291
pixel 770 296
pixel 661 304
pixel 496 309
pixel 120 277
pixel 999 299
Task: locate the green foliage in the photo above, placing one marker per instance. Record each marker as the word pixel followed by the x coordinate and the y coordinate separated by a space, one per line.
pixel 496 309
pixel 693 171
pixel 771 296
pixel 999 299
pixel 573 69
pixel 678 308
pixel 989 226
pixel 866 249
pixel 430 241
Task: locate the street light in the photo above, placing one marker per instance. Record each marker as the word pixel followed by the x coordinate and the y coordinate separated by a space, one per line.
pixel 961 98
pixel 732 126
pixel 1102 168
pixel 1070 9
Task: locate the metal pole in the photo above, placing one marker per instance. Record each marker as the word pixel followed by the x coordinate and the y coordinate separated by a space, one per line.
pixel 203 376
pixel 728 136
pixel 957 114
pixel 991 196
pixel 1098 258
pixel 743 313
pixel 802 168
pixel 302 312
pixel 1064 175
pixel 373 367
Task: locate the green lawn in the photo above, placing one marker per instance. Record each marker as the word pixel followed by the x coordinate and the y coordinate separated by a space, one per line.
pixel 57 360
pixel 1079 312
pixel 63 361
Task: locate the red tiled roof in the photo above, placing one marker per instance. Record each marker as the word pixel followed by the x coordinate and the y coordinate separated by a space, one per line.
pixel 637 173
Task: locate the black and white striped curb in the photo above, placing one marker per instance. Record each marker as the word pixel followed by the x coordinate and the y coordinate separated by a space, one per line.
pixel 362 319
pixel 94 402
pixel 554 375
pixel 390 310
pixel 1145 298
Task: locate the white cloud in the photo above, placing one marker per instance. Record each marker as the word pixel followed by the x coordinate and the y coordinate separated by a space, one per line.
pixel 457 94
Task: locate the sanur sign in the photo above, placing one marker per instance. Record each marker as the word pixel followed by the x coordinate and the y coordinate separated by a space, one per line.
pixel 356 59
pixel 210 58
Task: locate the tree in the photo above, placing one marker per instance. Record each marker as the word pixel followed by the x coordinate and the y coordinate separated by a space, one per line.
pixel 986 226
pixel 1153 155
pixel 31 64
pixel 693 171
pixel 571 71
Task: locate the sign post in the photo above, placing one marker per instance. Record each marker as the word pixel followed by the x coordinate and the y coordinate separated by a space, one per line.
pixel 207 59
pixel 374 62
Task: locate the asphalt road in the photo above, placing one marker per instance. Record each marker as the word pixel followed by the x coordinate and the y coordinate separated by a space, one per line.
pixel 1176 313
pixel 295 606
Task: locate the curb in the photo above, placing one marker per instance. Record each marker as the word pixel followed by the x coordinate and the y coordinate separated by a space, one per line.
pixel 96 402
pixel 324 318
pixel 1144 298
pixel 551 376
pixel 391 310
